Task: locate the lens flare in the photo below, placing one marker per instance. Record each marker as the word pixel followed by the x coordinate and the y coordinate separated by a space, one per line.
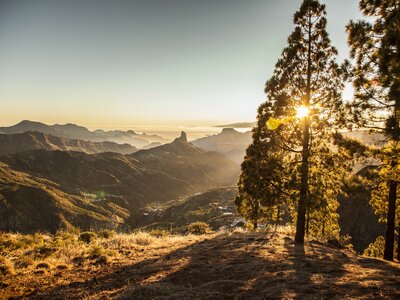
pixel 302 112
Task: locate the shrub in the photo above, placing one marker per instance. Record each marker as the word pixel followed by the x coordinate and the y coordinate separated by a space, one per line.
pixel 102 260
pixel 6 266
pixel 43 265
pixel 142 238
pixel 24 262
pixel 96 252
pixel 159 233
pixel 199 228
pixel 106 234
pixel 377 248
pixel 45 251
pixel 87 236
pixel 62 235
pixel 62 267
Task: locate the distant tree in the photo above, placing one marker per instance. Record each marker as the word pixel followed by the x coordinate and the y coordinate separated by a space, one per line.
pixel 375 49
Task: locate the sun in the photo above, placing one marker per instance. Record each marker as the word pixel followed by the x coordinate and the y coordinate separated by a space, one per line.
pixel 302 112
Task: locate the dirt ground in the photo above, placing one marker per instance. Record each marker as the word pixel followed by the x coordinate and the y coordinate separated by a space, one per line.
pixel 221 266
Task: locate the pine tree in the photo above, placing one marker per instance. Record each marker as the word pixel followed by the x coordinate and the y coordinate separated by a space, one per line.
pixel 308 75
pixel 375 48
pixel 261 180
pixel 307 81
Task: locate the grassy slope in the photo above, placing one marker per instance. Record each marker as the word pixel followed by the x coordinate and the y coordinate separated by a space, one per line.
pixel 29 204
pixel 218 266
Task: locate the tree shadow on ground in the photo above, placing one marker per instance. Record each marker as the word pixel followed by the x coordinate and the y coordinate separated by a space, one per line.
pixel 243 266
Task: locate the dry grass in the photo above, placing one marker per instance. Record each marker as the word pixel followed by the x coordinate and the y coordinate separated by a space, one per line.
pixel 6 267
pixel 225 265
pixel 27 259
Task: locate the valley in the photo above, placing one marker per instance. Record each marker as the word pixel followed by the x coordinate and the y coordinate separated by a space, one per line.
pixel 93 185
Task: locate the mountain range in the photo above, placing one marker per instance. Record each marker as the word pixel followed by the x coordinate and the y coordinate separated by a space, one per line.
pixel 107 181
pixel 32 140
pixel 73 131
pixel 29 135
pixel 50 179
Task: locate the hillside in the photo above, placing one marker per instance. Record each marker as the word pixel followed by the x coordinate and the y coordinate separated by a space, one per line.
pixel 229 142
pixel 29 204
pixel 14 143
pixel 225 265
pixel 216 207
pixel 73 131
pixel 183 160
pixel 130 182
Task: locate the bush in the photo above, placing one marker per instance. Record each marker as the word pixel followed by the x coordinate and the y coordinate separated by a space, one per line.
pixel 158 233
pixel 106 234
pixel 62 267
pixel 377 248
pixel 95 252
pixel 62 235
pixel 45 251
pixel 43 265
pixel 199 228
pixel 6 266
pixel 102 260
pixel 87 236
pixel 141 238
pixel 24 262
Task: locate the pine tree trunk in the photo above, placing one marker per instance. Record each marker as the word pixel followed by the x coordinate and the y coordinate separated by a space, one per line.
pixel 391 216
pixel 398 243
pixel 390 224
pixel 255 216
pixel 301 210
pixel 278 215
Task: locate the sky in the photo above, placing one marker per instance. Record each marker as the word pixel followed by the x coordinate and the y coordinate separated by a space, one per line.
pixel 125 63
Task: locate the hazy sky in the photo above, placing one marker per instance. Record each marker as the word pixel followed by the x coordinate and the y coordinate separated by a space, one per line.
pixel 126 63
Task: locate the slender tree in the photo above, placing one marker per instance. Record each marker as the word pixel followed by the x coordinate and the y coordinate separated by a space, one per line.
pixel 292 155
pixel 375 49
pixel 308 76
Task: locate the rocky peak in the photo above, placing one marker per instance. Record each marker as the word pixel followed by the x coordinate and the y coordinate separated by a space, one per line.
pixel 182 138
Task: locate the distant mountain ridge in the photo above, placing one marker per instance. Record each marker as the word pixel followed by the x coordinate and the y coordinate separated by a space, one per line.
pixel 18 142
pixel 73 131
pixel 238 125
pixel 229 142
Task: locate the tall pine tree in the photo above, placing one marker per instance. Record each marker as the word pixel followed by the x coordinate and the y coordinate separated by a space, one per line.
pixel 309 77
pixel 304 96
pixel 375 48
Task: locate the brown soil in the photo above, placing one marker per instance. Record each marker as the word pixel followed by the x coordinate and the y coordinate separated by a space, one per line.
pixel 221 266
